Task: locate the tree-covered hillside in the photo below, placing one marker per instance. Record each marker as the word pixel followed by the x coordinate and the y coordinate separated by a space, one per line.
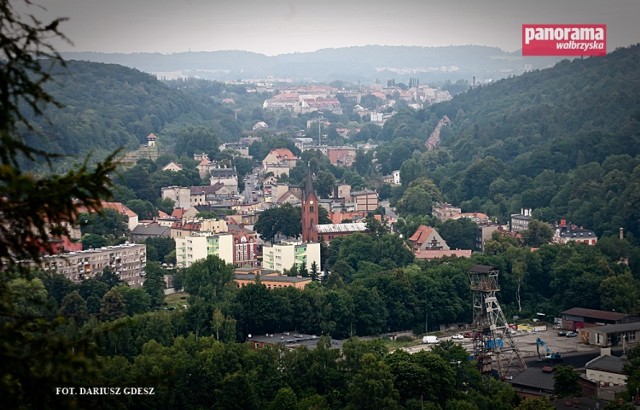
pixel 564 141
pixel 106 106
pixel 581 111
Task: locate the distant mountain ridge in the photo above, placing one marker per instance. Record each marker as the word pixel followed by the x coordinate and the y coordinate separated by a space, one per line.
pixel 361 63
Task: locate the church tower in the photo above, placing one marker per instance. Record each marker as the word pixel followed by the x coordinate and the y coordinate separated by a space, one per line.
pixel 309 211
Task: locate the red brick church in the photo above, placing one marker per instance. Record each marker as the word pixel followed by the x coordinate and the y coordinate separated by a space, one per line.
pixel 310 211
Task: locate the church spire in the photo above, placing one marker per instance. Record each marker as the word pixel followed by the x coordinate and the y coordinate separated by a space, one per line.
pixel 310 213
pixel 308 187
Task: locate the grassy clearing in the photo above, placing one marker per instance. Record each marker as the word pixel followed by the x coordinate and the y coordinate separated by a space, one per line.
pixel 177 300
pixel 402 341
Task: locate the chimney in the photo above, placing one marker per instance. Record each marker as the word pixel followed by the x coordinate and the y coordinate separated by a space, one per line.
pixel 621 233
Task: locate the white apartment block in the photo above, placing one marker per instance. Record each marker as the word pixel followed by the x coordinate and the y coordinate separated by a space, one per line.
pixel 281 256
pixel 127 261
pixel 200 245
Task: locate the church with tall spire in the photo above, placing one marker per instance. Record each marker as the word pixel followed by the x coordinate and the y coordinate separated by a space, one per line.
pixel 310 213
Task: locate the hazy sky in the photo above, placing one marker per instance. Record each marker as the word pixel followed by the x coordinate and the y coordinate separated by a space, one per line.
pixel 284 26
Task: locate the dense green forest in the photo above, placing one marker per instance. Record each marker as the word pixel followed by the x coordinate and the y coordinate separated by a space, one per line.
pixel 103 107
pixel 563 141
pixel 106 106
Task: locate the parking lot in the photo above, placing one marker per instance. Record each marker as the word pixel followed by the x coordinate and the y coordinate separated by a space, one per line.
pixel 526 342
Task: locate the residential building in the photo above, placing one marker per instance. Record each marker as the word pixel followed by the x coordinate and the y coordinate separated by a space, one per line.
pixel 283 102
pixel 203 166
pixel 341 156
pixel 343 191
pixel 427 243
pixel 477 217
pixel 180 214
pixel 244 246
pixel 567 232
pixel 444 211
pixel 241 147
pixel 520 222
pixel 279 161
pixel 426 237
pixel 227 176
pixel 292 197
pixel 172 166
pixel 198 246
pixel 284 255
pixel 484 233
pixel 366 201
pixel 181 196
pixel 149 230
pixel 213 225
pixel 127 261
pixel 396 177
pixel 204 194
pixel 308 105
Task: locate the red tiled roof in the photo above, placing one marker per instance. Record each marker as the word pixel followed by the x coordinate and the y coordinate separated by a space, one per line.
pixel 178 213
pixel 120 208
pixel 421 234
pixel 151 136
pixel 283 153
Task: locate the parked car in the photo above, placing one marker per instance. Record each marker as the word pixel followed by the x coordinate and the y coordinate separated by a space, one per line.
pixel 562 333
pixel 457 336
pixel 430 339
pixel 572 334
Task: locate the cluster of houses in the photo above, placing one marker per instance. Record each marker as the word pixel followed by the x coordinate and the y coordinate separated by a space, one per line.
pixel 308 99
pixel 232 237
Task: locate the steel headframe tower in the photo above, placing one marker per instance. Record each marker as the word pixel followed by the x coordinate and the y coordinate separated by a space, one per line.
pixel 492 339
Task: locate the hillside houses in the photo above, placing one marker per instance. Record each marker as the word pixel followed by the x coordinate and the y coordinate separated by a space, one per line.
pixel 307 99
pixel 567 232
pixel 187 197
pixel 426 243
pixel 279 161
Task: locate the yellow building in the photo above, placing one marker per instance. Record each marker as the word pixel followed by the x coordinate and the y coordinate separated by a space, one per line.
pixel 271 281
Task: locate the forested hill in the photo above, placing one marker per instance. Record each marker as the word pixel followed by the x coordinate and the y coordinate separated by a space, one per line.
pixel 564 141
pixel 583 110
pixel 106 106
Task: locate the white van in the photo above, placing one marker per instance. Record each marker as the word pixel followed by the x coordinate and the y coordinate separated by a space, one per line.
pixel 430 340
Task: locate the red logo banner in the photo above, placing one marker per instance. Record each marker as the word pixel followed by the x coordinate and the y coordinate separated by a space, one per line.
pixel 564 39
